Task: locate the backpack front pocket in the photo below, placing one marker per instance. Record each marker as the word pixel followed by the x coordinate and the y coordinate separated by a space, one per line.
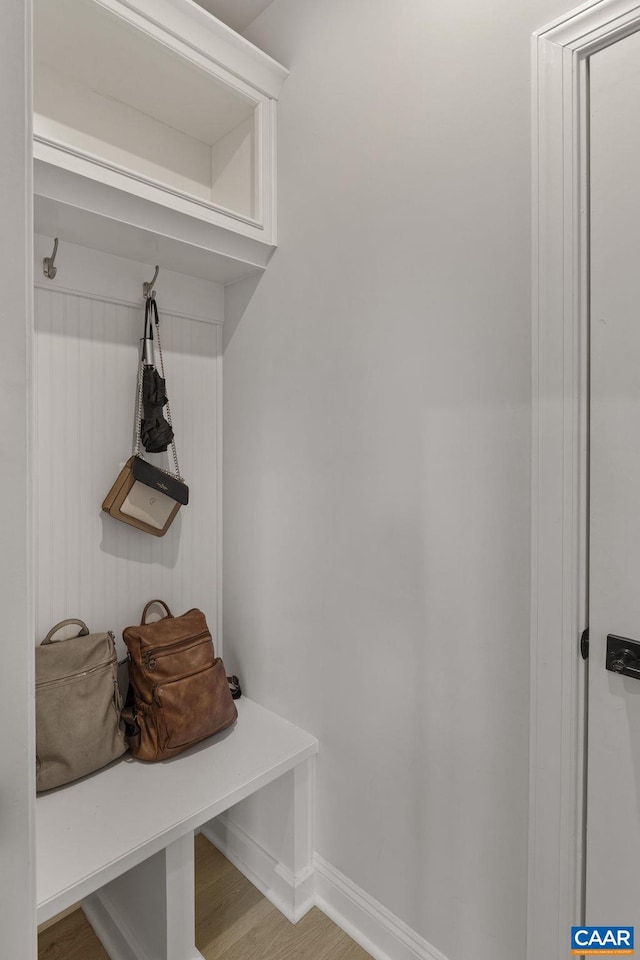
pixel 77 722
pixel 195 706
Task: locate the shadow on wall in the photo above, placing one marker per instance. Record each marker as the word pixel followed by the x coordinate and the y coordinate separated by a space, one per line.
pixel 127 543
pixel 237 297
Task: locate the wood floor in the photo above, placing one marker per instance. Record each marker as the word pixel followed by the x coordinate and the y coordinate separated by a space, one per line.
pixel 233 922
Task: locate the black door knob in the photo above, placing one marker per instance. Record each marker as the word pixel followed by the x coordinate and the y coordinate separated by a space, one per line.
pixel 623 660
pixel 623 656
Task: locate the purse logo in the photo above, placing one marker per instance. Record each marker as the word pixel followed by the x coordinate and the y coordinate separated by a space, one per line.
pixel 162 486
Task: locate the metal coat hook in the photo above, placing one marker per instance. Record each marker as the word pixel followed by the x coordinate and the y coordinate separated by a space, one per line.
pixel 48 267
pixel 147 288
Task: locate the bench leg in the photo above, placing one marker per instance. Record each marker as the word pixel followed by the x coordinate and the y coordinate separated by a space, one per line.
pixel 181 902
pixel 304 819
pixel 148 913
pixel 304 807
pixel 275 853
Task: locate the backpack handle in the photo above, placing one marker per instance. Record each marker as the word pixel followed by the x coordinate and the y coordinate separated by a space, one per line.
pixel 84 630
pixel 150 604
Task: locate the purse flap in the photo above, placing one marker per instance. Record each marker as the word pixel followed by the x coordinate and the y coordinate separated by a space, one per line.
pixel 157 479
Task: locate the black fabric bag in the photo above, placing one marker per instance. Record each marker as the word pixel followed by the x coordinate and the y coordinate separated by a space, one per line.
pixel 156 432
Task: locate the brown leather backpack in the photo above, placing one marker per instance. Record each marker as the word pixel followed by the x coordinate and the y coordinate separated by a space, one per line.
pixel 179 692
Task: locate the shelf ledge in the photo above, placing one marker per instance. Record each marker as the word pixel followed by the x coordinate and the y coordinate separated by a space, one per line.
pixel 80 210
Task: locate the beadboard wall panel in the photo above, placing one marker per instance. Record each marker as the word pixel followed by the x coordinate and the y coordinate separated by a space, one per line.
pixel 87 564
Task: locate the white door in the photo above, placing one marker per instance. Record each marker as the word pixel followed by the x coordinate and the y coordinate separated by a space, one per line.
pixel 613 795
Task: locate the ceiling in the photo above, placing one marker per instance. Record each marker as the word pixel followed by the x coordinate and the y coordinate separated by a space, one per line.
pixel 237 14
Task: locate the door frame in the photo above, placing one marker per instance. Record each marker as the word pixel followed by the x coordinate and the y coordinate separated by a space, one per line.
pixel 559 559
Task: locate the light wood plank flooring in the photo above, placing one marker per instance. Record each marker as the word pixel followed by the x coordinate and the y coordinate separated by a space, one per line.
pixel 233 922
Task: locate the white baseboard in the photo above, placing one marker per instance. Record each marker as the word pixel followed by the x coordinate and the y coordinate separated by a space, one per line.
pixel 114 933
pixel 111 929
pixel 292 895
pixel 365 920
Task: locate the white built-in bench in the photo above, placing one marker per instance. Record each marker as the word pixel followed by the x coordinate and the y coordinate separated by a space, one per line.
pixel 121 840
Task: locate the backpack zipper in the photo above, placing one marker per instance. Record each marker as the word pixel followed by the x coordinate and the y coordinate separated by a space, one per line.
pixel 151 656
pixel 75 676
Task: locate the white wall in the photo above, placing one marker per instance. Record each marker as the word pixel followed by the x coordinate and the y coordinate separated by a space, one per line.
pixel 377 434
pixel 88 323
pixel 17 764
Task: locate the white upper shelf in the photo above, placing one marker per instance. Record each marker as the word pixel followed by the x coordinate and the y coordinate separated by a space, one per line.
pixel 158 101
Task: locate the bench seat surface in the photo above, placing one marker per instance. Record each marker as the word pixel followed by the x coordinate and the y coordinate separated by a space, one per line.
pixel 91 831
